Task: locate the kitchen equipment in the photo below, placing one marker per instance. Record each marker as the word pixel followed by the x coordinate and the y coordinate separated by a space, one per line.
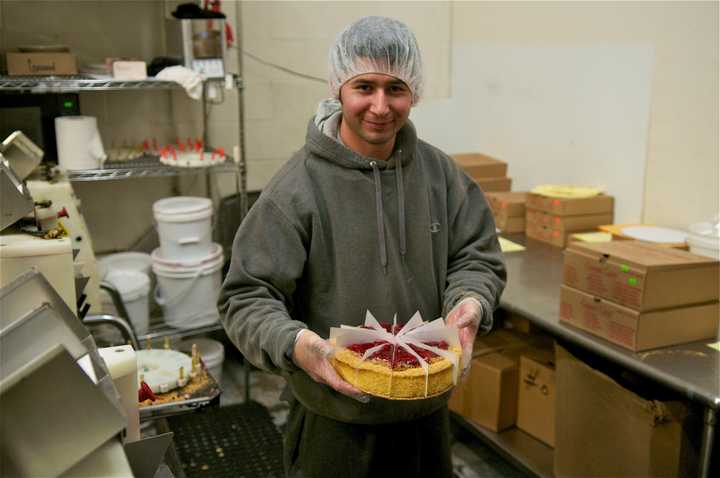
pixel 199 42
pixel 188 290
pixel 16 199
pixel 78 143
pixel 49 358
pixel 21 153
pixel 52 257
pixel 184 225
pixel 35 115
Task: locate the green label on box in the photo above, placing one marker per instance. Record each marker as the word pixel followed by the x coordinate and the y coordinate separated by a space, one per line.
pixel 624 268
pixel 632 280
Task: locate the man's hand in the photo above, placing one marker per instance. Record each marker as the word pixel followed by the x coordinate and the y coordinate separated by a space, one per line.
pixel 312 354
pixel 466 316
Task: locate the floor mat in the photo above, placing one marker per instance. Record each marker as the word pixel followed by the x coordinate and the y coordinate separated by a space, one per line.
pixel 238 441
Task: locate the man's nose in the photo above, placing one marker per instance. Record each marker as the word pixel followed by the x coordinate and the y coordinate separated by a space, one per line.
pixel 379 105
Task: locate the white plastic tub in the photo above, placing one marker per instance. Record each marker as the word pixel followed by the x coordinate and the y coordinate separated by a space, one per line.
pixel 188 291
pixel 134 288
pixel 211 351
pixel 704 239
pixel 184 225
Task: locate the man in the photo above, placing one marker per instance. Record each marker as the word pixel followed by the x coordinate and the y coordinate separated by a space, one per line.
pixel 364 217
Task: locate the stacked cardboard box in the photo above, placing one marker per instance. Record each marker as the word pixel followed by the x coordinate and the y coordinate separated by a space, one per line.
pixel 639 295
pixel 488 172
pixel 489 395
pixel 509 210
pixel 552 220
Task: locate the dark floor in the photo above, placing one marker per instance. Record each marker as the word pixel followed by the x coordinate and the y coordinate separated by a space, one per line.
pixel 471 458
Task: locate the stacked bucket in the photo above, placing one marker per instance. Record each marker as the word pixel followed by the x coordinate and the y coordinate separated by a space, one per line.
pixel 187 264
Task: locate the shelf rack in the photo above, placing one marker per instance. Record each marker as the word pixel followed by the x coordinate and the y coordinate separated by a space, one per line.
pixel 74 83
pixel 144 167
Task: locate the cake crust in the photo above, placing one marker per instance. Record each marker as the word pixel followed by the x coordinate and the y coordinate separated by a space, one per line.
pixel 377 378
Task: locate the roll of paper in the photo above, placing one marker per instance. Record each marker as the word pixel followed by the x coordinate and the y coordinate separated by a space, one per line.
pixel 78 143
pixel 122 365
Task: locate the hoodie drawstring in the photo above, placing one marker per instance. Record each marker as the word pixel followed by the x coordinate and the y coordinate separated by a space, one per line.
pixel 380 215
pixel 401 203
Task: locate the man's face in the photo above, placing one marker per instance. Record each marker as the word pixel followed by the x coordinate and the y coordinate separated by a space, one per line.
pixel 374 108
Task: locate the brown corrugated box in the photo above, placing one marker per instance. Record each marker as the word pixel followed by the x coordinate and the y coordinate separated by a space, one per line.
pixel 488 396
pixel 555 229
pixel 547 234
pixel 58 63
pixel 478 165
pixel 641 275
pixel 604 429
pixel 600 204
pixel 508 209
pixel 536 395
pixel 494 184
pixel 636 330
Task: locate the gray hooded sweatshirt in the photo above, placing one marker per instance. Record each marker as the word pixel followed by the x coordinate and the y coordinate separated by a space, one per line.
pixel 334 234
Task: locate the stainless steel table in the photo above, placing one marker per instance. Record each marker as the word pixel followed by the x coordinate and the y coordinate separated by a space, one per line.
pixel 533 292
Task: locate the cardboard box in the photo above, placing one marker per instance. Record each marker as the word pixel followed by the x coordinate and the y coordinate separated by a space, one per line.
pixel 508 209
pixel 636 330
pixel 604 429
pixel 546 234
pixel 641 275
pixel 493 184
pixel 478 165
pixel 510 225
pixel 601 204
pixel 61 63
pixel 566 224
pixel 488 397
pixel 509 204
pixel 536 395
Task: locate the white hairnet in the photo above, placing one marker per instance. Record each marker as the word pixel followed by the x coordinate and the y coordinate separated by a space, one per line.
pixel 376 45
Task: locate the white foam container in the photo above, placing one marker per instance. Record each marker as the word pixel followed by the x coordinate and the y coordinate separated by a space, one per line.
pixel 134 288
pixel 184 225
pixel 211 351
pixel 704 239
pixel 188 290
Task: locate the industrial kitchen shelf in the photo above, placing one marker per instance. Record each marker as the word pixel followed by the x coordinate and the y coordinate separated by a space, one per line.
pixel 145 166
pixel 68 84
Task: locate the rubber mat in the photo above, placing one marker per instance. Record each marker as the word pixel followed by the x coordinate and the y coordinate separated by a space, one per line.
pixel 238 441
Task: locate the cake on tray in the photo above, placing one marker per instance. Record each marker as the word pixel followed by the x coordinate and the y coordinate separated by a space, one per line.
pixel 416 361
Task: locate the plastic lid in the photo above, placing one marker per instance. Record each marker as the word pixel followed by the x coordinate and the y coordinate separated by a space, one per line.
pixel 25 245
pixel 130 285
pixel 182 205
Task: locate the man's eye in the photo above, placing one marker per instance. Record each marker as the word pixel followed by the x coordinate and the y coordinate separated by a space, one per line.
pixel 362 87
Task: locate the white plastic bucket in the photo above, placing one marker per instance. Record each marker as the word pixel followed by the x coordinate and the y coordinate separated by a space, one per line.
pixel 188 291
pixel 184 227
pixel 134 288
pixel 212 353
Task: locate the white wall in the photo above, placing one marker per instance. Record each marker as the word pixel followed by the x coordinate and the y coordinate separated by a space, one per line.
pixel 675 162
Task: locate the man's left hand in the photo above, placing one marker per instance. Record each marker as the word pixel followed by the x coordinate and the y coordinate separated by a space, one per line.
pixel 466 316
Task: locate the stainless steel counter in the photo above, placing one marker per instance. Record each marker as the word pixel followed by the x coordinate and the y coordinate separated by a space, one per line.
pixel 533 292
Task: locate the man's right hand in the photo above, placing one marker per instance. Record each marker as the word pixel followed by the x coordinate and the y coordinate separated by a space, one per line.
pixel 312 354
